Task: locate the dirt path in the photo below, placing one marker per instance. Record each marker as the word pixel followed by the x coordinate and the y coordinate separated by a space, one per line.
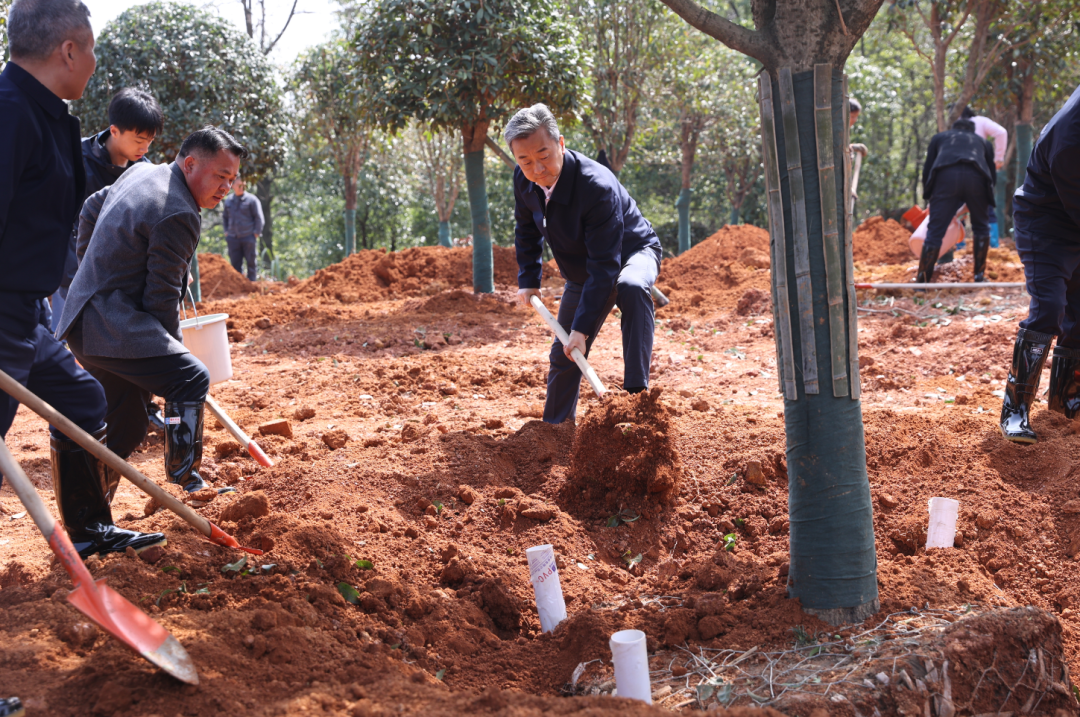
pixel 415 446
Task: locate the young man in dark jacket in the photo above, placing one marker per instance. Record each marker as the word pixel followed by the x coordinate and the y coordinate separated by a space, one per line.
pixel 1046 213
pixel 959 170
pixel 136 240
pixel 41 189
pixel 607 252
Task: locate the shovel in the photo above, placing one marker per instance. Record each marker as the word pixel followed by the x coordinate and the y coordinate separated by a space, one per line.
pixel 586 369
pixel 107 608
pixel 23 395
pixel 238 433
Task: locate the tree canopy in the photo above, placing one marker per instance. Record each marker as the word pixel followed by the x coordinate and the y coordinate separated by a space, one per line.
pixel 201 69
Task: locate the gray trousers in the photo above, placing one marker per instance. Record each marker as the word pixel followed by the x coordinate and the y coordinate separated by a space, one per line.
pixel 632 296
pixel 242 249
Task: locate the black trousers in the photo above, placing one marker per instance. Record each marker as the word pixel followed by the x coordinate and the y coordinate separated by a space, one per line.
pixel 243 249
pixel 129 384
pixel 954 187
pixel 1052 274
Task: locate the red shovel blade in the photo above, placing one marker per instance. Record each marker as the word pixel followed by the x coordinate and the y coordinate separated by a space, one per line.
pixel 118 617
pixel 260 457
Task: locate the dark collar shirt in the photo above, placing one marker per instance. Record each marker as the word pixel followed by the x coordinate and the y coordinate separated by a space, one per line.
pixel 41 188
pixel 1048 204
pixel 592 225
pixel 242 216
pixel 959 145
pixel 100 170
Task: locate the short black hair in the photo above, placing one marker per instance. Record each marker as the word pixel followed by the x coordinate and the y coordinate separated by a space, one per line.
pixel 133 109
pixel 35 28
pixel 853 105
pixel 209 141
pixel 967 113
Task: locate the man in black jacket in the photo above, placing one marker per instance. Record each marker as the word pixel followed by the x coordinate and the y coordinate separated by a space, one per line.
pixel 959 170
pixel 1046 213
pixel 136 240
pixel 41 188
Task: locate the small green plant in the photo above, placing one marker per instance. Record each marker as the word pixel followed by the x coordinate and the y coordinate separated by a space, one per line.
pixel 438 506
pixel 630 559
pixel 171 569
pixel 502 501
pixel 236 567
pixel 440 674
pixel 740 522
pixel 802 637
pixel 729 541
pixel 351 594
pixel 364 564
pixel 509 551
pixel 623 516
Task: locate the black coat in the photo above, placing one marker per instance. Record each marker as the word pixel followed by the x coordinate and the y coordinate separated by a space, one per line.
pixel 959 145
pixel 1049 202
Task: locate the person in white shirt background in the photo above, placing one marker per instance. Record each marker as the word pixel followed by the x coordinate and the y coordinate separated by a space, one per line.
pixel 998 136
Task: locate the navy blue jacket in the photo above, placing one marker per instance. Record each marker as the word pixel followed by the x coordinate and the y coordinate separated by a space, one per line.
pixel 41 188
pixel 959 145
pixel 1049 202
pixel 592 226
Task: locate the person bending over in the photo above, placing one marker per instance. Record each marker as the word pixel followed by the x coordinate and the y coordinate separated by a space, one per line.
pixel 1046 222
pixel 41 188
pixel 136 241
pixel 606 250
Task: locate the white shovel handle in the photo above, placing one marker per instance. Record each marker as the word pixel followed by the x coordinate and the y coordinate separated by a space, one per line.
pixel 586 369
pixel 238 433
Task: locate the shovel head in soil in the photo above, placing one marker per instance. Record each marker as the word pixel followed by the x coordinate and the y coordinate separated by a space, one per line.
pixel 107 608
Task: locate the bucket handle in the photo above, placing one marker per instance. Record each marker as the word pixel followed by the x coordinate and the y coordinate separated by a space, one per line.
pixel 187 293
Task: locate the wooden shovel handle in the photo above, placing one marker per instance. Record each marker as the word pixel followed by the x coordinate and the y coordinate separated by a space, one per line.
pixel 586 369
pixel 23 395
pixel 252 447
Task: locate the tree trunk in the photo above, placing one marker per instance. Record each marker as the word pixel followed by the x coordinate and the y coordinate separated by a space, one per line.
pixel 833 569
pixel 350 213
pixel 688 145
pixel 1024 131
pixel 734 218
pixel 473 139
pixel 265 192
pixel 683 205
pixel 444 234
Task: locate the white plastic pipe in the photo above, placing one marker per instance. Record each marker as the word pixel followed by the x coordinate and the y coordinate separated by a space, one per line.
pixel 544 574
pixel 631 660
pixel 579 359
pixel 941 532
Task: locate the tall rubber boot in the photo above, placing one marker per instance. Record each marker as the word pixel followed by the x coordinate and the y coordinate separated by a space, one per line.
pixel 925 274
pixel 1029 357
pixel 84 490
pixel 981 249
pixel 1065 382
pixel 11 707
pixel 184 444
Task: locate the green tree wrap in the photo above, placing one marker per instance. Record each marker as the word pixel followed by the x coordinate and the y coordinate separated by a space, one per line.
pixel 350 232
pixel 734 218
pixel 683 205
pixel 833 560
pixel 196 285
pixel 1000 200
pixel 444 234
pixel 1023 152
pixel 482 260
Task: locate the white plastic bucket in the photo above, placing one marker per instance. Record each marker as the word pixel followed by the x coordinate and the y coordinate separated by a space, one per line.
pixel 941 533
pixel 208 339
pixel 953 236
pixel 631 659
pixel 544 575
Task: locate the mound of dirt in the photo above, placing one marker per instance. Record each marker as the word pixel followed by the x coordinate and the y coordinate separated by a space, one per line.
pixel 218 279
pixel 717 272
pixel 881 241
pixel 626 447
pixel 372 275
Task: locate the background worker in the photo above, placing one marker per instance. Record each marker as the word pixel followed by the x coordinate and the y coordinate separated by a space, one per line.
pixel 854 108
pixel 959 170
pixel 242 219
pixel 41 188
pixel 121 320
pixel 1046 217
pixel 606 250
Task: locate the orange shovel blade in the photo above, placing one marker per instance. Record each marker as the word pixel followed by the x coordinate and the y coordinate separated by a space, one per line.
pixel 131 626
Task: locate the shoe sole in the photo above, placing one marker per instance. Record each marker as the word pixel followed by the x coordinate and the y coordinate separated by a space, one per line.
pixel 159 544
pixel 1017 439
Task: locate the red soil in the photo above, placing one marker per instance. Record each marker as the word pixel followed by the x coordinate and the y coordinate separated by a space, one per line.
pixel 439 478
pixel 881 241
pixel 218 279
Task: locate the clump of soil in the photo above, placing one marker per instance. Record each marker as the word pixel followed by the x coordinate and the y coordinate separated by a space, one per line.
pixel 881 241
pixel 718 271
pixel 218 279
pixel 626 447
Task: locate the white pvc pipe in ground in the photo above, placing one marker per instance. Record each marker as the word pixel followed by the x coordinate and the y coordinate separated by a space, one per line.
pixel 544 574
pixel 941 533
pixel 631 660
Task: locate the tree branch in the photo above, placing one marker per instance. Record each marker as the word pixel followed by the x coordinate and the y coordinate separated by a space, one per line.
pixel 292 11
pixel 740 39
pixel 506 158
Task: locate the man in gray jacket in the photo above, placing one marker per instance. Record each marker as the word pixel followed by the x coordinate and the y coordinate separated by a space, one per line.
pixel 121 320
pixel 242 218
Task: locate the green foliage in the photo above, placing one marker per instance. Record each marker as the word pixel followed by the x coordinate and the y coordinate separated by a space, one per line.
pixel 5 5
pixel 201 70
pixel 461 62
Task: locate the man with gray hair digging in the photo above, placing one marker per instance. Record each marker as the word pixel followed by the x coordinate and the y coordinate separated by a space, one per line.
pixel 606 250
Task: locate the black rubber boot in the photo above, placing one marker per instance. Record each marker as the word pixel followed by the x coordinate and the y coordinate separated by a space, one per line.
pixel 184 443
pixel 1029 357
pixel 981 248
pixel 925 274
pixel 84 490
pixel 11 707
pixel 157 421
pixel 1065 382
